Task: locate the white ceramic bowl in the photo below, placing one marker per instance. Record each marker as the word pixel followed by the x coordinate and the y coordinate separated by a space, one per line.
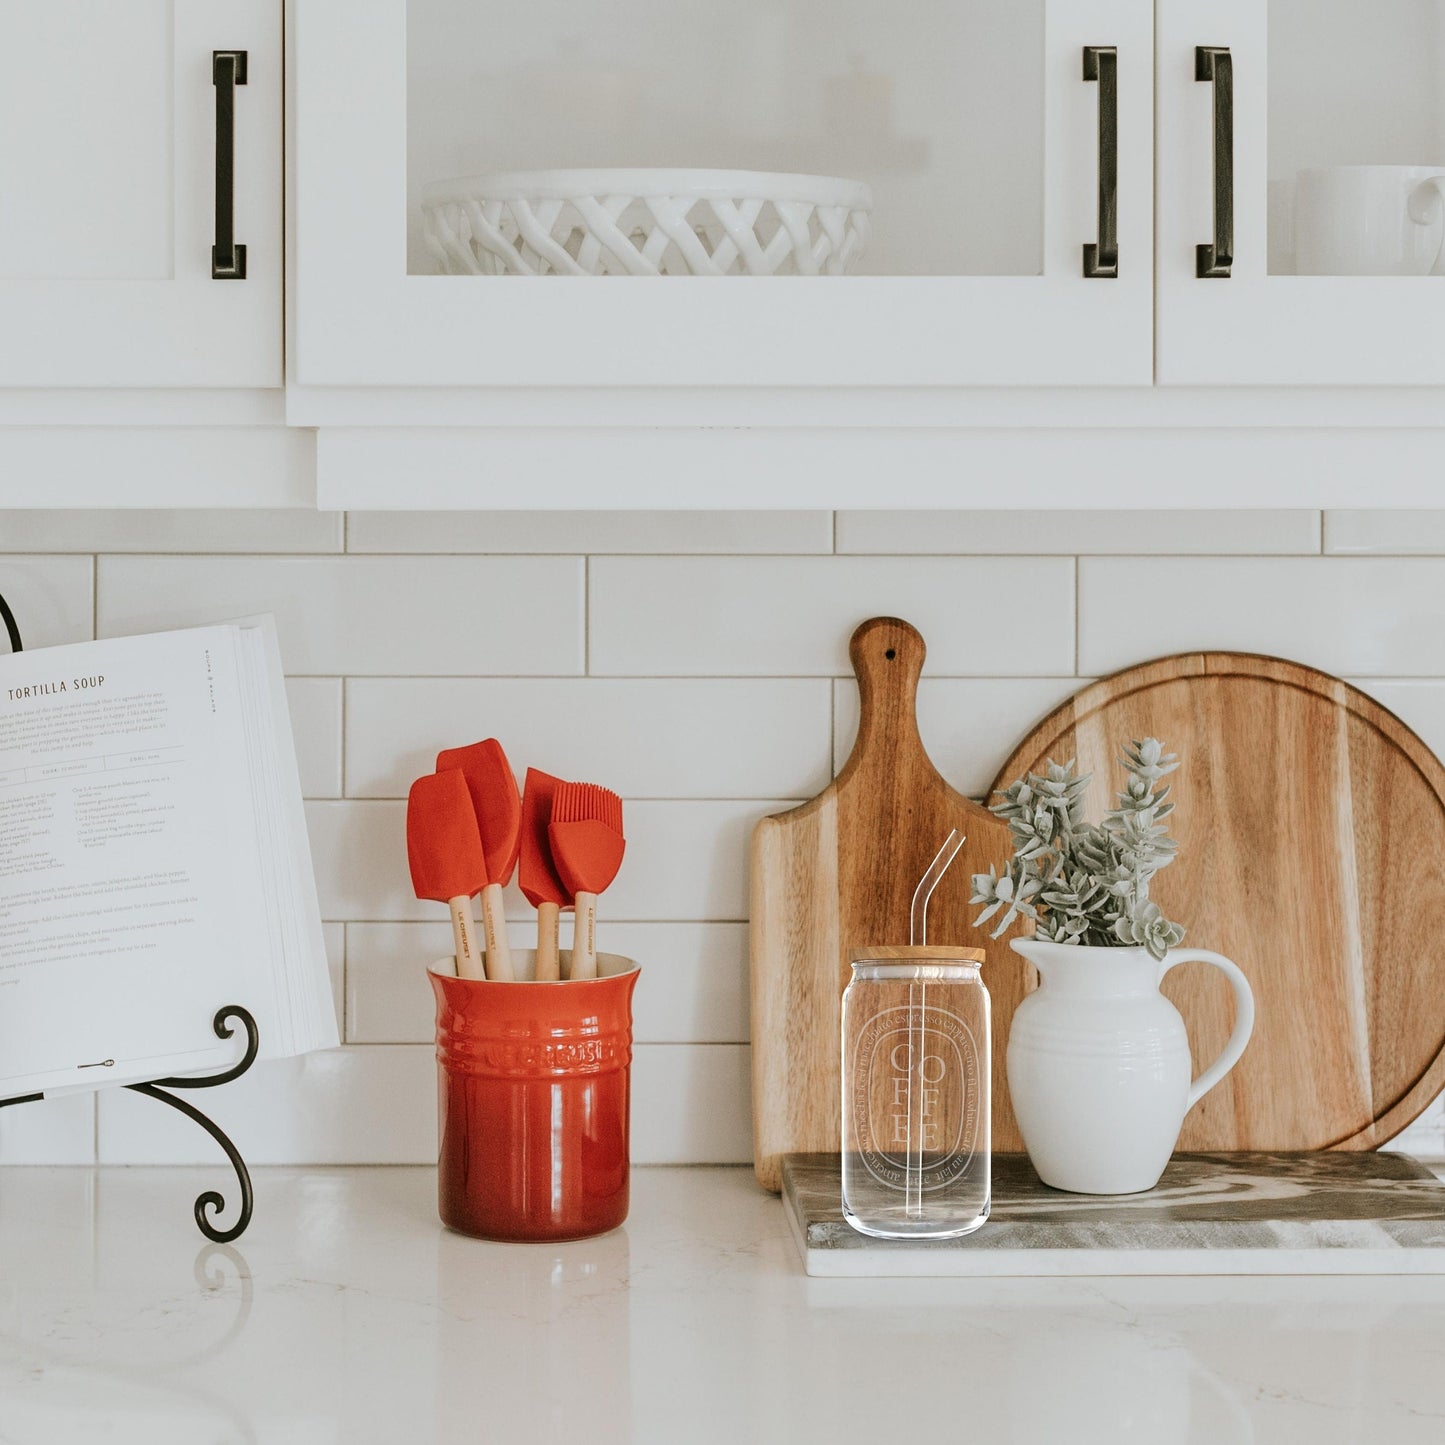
pixel 647 223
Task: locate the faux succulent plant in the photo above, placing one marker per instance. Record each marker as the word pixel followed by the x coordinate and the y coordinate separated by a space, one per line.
pixel 1080 882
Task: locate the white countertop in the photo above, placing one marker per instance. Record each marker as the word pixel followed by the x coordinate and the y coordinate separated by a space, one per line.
pixel 347 1314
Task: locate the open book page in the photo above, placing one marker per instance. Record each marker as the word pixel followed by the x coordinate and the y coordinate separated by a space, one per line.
pixel 134 875
pixel 305 1011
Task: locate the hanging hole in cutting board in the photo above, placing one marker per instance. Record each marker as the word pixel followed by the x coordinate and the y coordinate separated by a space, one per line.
pixel 891 653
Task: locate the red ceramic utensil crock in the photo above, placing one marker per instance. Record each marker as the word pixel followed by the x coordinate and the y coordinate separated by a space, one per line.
pixel 533 1099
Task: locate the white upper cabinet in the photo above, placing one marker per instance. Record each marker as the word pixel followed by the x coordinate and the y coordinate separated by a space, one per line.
pixel 1305 140
pixel 138 141
pixel 839 193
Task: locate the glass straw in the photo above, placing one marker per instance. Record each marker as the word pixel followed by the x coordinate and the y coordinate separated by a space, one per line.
pixel 917 1018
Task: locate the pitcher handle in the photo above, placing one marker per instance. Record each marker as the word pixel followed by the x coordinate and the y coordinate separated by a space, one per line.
pixel 1427 205
pixel 1243 1016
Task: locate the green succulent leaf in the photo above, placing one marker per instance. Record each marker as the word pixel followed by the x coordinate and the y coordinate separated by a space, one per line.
pixel 1080 882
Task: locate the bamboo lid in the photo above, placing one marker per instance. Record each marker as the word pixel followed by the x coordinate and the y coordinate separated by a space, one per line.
pixel 907 953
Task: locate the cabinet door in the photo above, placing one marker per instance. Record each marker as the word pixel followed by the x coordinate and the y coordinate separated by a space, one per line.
pixel 113 146
pixel 1303 140
pixel 974 123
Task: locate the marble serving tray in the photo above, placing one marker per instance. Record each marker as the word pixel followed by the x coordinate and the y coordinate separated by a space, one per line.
pixel 1245 1213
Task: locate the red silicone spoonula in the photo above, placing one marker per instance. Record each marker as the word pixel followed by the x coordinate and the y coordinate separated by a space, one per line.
pixel 545 891
pixel 498 812
pixel 587 845
pixel 445 853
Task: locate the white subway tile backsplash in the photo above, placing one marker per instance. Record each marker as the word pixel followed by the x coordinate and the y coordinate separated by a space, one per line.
pixel 49 1131
pixel 1042 533
pixel 1418 703
pixel 199 530
pixel 1344 615
pixel 376 1104
pixel 686 861
pixel 969 726
pixel 341 1106
pixel 315 707
pixel 368 616
pixel 643 737
pixel 697 662
pixel 1384 533
pixel 691 1104
pixel 52 597
pixel 693 989
pixel 594 532
pixel 793 616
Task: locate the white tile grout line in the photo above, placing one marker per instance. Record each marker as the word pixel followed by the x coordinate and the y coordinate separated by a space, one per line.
pixel 637 1043
pixel 261 554
pixel 523 919
pixel 586 616
pixel 345 1003
pixel 342 741
pixel 626 798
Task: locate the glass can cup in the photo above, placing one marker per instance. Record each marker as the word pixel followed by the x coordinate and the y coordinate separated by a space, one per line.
pixel 915 1087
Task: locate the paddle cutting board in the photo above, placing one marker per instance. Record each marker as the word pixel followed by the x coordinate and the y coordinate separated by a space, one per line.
pixel 1311 828
pixel 838 873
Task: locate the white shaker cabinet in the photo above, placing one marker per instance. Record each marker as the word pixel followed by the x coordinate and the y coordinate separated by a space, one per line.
pixel 140 194
pixel 975 124
pixel 1305 139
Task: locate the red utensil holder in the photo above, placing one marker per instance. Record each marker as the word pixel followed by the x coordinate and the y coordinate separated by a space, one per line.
pixel 533 1092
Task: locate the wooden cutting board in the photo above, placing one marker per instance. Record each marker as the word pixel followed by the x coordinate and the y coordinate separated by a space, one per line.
pixel 1311 824
pixel 838 873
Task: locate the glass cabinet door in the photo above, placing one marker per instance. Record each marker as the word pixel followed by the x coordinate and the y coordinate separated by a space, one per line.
pixel 773 192
pixel 1302 191
pixel 118 125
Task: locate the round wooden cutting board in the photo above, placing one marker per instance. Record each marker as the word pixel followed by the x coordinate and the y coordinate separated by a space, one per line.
pixel 1311 825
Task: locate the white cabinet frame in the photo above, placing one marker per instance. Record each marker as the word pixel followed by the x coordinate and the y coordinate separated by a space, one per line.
pixel 358 319
pixel 1254 328
pixel 188 329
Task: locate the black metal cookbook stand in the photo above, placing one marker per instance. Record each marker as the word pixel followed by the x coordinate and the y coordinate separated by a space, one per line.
pixel 210 1202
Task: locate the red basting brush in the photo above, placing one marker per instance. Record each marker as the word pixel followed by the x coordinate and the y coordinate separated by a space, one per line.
pixel 587 844
pixel 445 853
pixel 538 876
pixel 499 822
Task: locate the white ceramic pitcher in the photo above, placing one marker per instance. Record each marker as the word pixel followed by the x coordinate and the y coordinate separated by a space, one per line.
pixel 1098 1064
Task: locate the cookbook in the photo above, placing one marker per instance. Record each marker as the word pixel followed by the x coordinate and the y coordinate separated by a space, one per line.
pixel 154 864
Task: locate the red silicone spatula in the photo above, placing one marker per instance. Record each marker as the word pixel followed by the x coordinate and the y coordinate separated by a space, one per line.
pixel 587 843
pixel 499 821
pixel 545 891
pixel 445 853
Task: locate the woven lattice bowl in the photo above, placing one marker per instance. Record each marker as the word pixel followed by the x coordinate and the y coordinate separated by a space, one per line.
pixel 647 223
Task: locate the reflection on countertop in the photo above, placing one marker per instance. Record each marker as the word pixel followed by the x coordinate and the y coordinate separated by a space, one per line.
pixel 347 1314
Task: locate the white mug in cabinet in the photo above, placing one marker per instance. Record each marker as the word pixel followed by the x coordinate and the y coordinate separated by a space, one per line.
pixel 1370 221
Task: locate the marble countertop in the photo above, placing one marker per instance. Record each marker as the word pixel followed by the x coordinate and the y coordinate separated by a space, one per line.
pixel 346 1314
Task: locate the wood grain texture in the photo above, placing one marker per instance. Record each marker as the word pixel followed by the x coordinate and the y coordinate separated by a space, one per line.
pixel 838 873
pixel 1311 824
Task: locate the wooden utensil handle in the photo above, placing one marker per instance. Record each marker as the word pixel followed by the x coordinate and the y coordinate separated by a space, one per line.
pixel 464 938
pixel 584 938
pixel 549 917
pixel 494 921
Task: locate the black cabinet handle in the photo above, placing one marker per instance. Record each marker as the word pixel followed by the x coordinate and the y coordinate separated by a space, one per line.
pixel 1213 63
pixel 228 260
pixel 1101 257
